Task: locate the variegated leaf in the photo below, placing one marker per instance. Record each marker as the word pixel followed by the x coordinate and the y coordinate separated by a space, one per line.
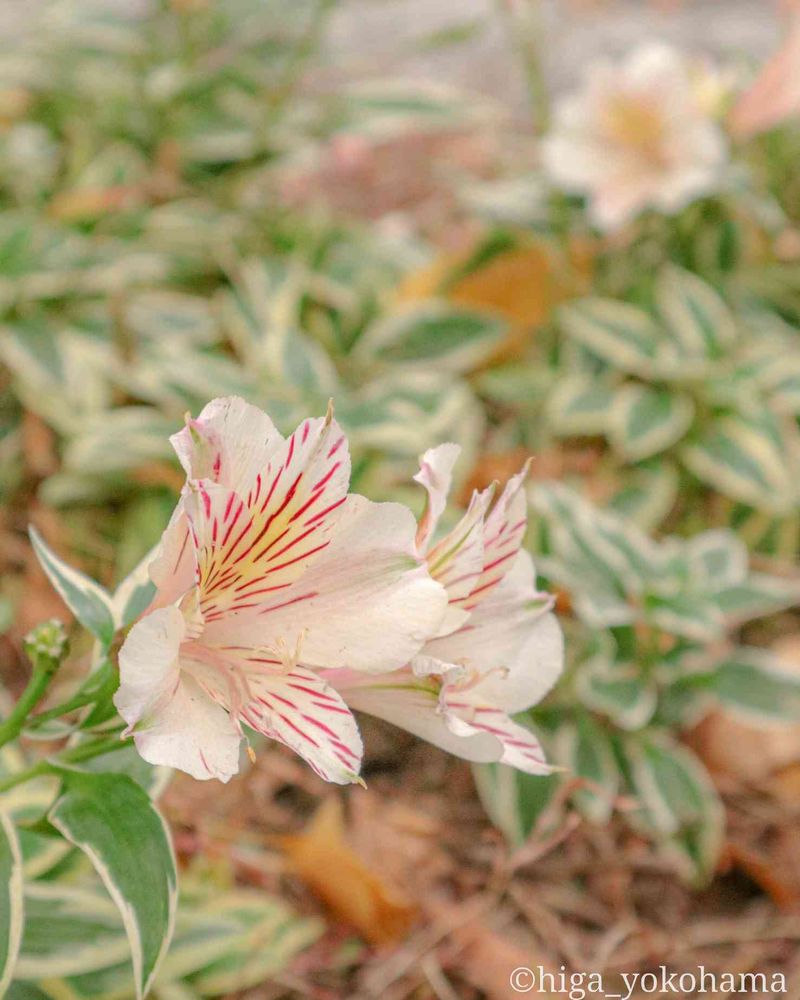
pixel 756 684
pixel 580 404
pixel 112 820
pixel 11 901
pixel 753 459
pixel 645 421
pixel 86 600
pixel 694 314
pixel 620 334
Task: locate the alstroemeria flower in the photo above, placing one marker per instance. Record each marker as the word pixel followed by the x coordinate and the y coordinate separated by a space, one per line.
pixel 269 572
pixel 499 649
pixel 635 137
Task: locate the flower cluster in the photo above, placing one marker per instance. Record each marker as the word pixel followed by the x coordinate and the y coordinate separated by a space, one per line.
pixel 637 136
pixel 283 602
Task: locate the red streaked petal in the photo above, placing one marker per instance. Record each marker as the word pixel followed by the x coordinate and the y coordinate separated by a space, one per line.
pixel 250 548
pixel 503 531
pixel 435 474
pixel 297 708
pixel 230 442
pixel 467 715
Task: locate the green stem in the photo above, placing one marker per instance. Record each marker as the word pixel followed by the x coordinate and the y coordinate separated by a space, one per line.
pixel 73 755
pixel 80 700
pixel 37 685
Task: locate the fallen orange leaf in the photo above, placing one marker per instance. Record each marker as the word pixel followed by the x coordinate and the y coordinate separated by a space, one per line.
pixel 522 285
pixel 322 859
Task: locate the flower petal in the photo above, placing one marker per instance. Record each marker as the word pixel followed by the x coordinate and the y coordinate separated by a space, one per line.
pixel 504 529
pixel 229 443
pixel 402 700
pixel 174 722
pixel 511 639
pixel 456 561
pixel 365 603
pixel 468 716
pixel 174 568
pixel 300 710
pixel 249 548
pixel 436 475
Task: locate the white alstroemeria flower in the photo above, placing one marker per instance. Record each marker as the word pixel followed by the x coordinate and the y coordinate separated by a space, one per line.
pixel 635 137
pixel 499 649
pixel 268 573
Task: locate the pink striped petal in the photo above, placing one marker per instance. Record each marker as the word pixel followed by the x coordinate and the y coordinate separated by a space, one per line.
pixel 456 561
pixel 467 716
pixel 412 704
pixel 229 443
pixel 436 475
pixel 503 532
pixel 774 97
pixel 174 722
pixel 297 708
pixel 251 549
pixel 365 602
pixel 511 641
pixel 174 568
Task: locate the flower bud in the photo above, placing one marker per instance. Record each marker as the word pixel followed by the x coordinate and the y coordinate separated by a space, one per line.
pixel 47 645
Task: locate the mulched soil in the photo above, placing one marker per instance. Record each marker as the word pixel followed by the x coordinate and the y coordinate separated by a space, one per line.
pixel 574 898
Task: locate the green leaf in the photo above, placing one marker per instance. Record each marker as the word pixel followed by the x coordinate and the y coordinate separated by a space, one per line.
pixel 453 339
pixel 689 614
pixel 751 458
pixel 619 690
pixel 616 332
pixel 579 405
pixel 270 936
pixel 694 314
pixel 112 820
pixel 756 684
pixel 135 592
pixel 758 595
pixel 645 421
pixel 718 559
pixel 513 800
pixel 585 751
pixel 647 494
pixel 679 803
pixel 69 930
pixel 11 901
pixel 86 600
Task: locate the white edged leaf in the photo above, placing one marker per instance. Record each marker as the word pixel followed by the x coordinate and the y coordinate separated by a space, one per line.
pixel 616 332
pixel 585 751
pixel 87 600
pixel 434 334
pixel 694 314
pixel 618 690
pixel 751 458
pixel 134 593
pixel 758 595
pixel 718 559
pixel 580 405
pixel 754 683
pixel 68 931
pixel 113 821
pixel 513 800
pixel 11 901
pixel 679 803
pixel 645 420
